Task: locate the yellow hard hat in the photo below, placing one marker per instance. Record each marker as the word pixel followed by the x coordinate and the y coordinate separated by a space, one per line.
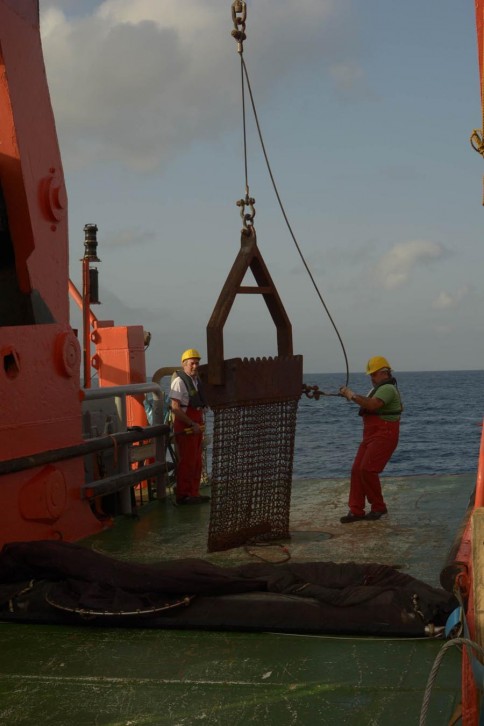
pixel 377 363
pixel 190 353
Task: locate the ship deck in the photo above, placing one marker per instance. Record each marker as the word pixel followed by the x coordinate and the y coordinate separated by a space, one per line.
pixel 96 676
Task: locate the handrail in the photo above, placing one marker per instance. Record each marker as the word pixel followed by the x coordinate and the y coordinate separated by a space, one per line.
pixel 123 480
pixel 91 446
pixel 125 477
pixel 130 389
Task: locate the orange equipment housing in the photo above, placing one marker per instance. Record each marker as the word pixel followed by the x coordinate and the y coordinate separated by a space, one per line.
pixel 39 352
pixel 120 360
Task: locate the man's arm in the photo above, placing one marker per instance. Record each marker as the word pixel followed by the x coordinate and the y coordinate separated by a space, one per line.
pixel 369 404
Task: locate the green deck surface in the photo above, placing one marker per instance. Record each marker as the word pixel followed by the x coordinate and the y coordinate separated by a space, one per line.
pixel 98 676
pixel 57 675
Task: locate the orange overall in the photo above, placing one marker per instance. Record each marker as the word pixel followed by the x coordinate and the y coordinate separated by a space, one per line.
pixel 380 439
pixel 189 445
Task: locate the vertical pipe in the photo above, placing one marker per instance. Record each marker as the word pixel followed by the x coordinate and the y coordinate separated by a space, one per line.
pixel 86 322
pixel 120 403
pixel 123 461
pixel 160 455
pixel 125 494
pixel 90 255
pixel 160 445
pixel 77 297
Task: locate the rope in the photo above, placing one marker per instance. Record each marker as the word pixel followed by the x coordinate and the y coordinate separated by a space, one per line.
pixel 244 128
pixel 240 7
pixel 435 668
pixel 285 550
pixel 88 613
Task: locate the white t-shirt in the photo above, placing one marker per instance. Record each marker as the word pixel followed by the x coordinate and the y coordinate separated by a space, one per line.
pixel 179 392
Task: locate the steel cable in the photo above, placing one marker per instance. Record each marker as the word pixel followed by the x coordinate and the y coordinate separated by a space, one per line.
pixel 244 73
pixel 435 669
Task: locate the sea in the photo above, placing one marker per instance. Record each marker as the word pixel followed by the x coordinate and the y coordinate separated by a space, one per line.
pixel 440 428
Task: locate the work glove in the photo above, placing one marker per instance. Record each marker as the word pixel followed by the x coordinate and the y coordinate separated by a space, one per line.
pixel 346 392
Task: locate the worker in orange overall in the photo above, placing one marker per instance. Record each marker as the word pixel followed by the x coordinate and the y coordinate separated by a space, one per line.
pixel 187 405
pixel 380 410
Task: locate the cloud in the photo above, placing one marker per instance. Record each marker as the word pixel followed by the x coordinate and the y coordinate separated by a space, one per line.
pixel 346 76
pixel 444 329
pixel 131 238
pixel 446 300
pixel 350 81
pixel 396 266
pixel 73 7
pixel 139 80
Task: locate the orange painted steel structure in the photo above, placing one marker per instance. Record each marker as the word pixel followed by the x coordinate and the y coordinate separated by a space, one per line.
pixel 120 360
pixel 77 297
pixel 464 584
pixel 39 352
pixel 480 43
pixel 471 696
pixel 119 357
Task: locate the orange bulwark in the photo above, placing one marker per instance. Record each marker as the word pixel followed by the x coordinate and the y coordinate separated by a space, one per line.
pixel 470 581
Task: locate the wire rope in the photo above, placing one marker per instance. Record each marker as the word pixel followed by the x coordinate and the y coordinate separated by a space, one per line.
pixel 435 669
pixel 245 74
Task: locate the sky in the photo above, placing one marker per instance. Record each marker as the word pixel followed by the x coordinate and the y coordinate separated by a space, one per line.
pixel 366 108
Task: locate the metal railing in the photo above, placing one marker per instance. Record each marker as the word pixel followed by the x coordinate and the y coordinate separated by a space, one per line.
pixel 126 477
pixel 121 442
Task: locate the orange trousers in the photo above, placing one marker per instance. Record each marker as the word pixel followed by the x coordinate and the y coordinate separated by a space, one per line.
pixel 380 439
pixel 189 450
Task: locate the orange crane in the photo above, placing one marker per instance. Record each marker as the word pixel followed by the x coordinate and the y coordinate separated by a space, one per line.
pixel 39 352
pixel 43 488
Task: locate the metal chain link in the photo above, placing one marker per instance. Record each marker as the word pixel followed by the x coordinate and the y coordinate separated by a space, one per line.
pixel 315 392
pixel 239 16
pixel 248 219
pixel 477 141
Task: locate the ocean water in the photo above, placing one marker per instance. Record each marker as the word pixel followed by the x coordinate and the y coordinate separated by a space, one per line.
pixel 440 428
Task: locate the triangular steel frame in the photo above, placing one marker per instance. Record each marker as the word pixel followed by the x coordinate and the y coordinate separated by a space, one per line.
pixel 249 257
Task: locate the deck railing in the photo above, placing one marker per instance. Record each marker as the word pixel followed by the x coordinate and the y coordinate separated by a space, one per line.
pixel 126 476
